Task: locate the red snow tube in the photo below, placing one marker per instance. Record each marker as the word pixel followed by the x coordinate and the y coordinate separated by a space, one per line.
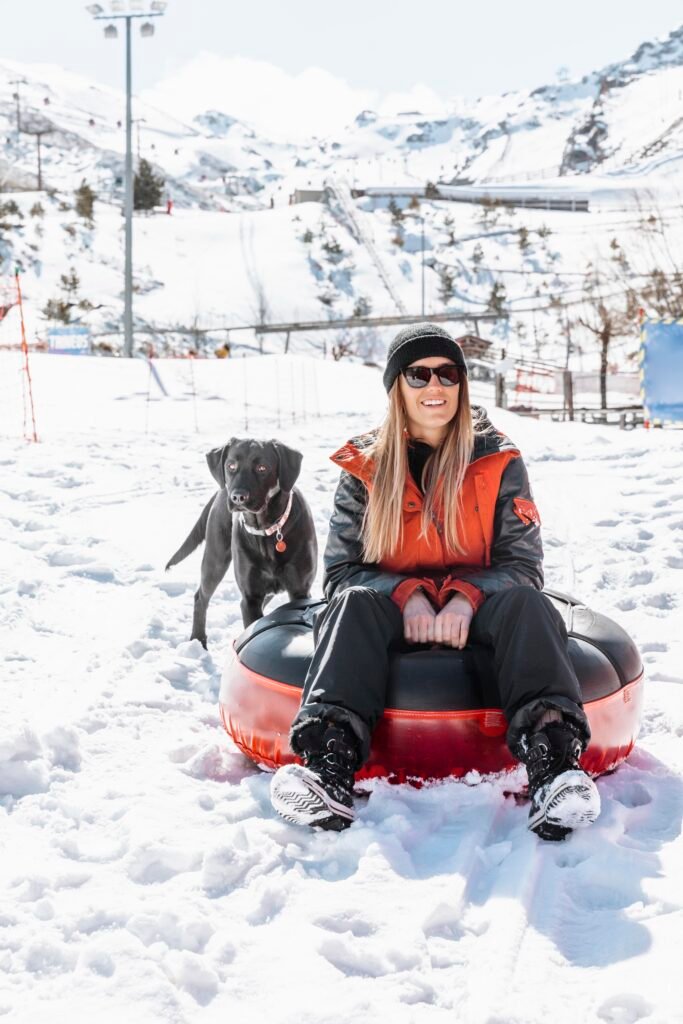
pixel 443 716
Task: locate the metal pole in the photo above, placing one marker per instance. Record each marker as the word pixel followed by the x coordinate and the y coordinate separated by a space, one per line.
pixel 128 208
pixel 569 343
pixel 17 96
pixel 423 266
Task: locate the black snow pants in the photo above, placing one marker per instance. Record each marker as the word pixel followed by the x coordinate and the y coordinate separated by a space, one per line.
pixel 347 678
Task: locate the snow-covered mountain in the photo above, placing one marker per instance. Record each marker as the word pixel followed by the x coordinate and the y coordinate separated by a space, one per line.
pixel 615 135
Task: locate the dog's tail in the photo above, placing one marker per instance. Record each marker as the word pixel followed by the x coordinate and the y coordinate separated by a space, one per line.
pixel 195 537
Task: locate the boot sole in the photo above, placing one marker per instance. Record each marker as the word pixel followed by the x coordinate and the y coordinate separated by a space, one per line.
pixel 571 801
pixel 298 797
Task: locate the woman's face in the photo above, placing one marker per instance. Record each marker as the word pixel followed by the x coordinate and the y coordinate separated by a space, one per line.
pixel 429 409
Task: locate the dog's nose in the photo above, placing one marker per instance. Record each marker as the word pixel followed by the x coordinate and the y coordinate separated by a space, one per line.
pixel 239 497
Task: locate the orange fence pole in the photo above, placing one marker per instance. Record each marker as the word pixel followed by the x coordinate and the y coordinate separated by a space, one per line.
pixel 24 349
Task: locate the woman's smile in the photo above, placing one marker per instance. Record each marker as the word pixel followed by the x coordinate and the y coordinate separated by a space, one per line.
pixel 429 409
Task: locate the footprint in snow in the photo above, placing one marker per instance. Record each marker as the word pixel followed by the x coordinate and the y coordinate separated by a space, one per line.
pixel 416 990
pixel 99 962
pixel 640 577
pixel 593 897
pixel 444 922
pixel 269 905
pixel 174 589
pixel 150 864
pixel 633 795
pixel 356 960
pixel 68 557
pixel 570 858
pixel 96 573
pixel 664 602
pixel 629 545
pixel 348 921
pixel 624 1009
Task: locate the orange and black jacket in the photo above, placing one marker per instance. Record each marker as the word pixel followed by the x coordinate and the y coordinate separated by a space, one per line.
pixel 499 529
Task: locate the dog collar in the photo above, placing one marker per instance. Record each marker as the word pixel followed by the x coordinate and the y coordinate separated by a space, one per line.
pixel 276 528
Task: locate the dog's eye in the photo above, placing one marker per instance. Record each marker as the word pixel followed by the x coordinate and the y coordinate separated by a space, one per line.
pixel 261 468
pixel 232 466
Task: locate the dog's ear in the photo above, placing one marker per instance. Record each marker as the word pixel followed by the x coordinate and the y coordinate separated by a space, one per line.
pixel 290 465
pixel 216 460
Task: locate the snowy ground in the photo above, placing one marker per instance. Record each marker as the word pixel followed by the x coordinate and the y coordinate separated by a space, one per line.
pixel 144 875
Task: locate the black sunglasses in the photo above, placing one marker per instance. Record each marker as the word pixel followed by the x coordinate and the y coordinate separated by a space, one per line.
pixel 447 375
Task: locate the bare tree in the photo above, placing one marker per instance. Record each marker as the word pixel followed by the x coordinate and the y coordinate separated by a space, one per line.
pixel 260 306
pixel 608 314
pixel 653 262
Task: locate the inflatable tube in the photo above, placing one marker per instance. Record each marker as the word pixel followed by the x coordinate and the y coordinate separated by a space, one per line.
pixel 443 715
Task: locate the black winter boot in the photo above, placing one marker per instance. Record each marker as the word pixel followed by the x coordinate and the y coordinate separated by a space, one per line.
pixel 563 796
pixel 319 792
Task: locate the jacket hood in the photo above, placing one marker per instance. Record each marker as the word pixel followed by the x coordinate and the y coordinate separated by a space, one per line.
pixel 352 456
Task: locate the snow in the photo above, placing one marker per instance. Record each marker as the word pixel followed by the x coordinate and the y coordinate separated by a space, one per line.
pixel 144 873
pixel 233 237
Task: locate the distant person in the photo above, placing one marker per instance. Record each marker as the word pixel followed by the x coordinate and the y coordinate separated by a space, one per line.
pixel 169 206
pixel 435 538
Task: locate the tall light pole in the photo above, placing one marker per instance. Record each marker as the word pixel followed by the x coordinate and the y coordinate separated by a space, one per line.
pixel 118 12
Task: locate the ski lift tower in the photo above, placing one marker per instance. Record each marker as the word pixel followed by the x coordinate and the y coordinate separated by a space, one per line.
pixel 37 126
pixel 128 10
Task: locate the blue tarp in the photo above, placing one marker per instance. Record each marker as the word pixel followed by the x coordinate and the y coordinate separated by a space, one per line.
pixel 662 370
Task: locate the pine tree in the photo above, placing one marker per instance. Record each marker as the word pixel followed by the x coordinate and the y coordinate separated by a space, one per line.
pixel 147 187
pixel 362 307
pixel 497 299
pixel 70 283
pixel 446 282
pixel 477 256
pixel 397 215
pixel 85 201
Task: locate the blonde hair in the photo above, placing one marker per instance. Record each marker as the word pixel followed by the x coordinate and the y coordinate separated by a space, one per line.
pixel 442 478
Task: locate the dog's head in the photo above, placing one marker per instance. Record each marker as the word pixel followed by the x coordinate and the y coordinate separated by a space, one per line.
pixel 253 472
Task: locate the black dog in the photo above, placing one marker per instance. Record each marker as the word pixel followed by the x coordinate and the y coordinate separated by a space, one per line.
pixel 259 521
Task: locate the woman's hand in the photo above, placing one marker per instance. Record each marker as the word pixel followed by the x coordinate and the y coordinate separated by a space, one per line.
pixel 452 624
pixel 418 619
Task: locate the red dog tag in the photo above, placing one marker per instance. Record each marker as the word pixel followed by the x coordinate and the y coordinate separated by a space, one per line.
pixel 280 546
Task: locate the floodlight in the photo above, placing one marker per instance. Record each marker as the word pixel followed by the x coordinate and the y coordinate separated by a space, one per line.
pixel 117 5
pixel 95 9
pixel 147 29
pixel 159 6
pixel 111 32
pixel 136 5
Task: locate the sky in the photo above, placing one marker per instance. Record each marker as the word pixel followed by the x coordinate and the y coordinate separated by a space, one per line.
pixel 257 60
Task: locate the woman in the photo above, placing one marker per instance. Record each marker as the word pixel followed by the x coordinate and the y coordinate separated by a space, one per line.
pixel 435 538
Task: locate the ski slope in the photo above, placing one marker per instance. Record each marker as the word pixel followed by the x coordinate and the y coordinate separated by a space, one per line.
pixel 144 876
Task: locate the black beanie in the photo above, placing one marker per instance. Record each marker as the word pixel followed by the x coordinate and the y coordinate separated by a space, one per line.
pixel 419 341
